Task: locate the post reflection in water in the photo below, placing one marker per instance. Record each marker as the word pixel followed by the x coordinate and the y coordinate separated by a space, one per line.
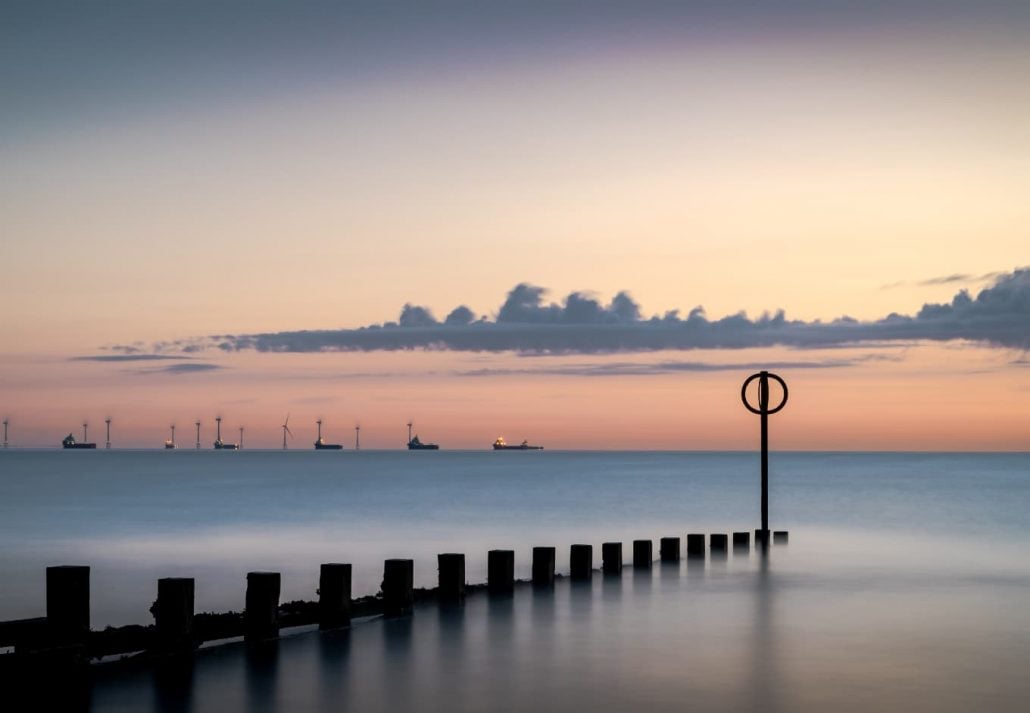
pixel 764 651
pixel 262 676
pixel 333 661
pixel 397 674
pixel 173 685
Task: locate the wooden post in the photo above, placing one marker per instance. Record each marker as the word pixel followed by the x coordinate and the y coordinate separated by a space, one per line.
pixel 581 561
pixel 642 554
pixel 611 558
pixel 763 538
pixel 742 542
pixel 261 617
pixel 543 566
pixel 451 577
pixel 67 603
pixel 695 546
pixel 398 587
pixel 500 571
pixel 669 549
pixel 334 590
pixel 173 614
pixel 780 537
pixel 717 543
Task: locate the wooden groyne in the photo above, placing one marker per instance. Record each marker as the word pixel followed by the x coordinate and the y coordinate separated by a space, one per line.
pixel 64 633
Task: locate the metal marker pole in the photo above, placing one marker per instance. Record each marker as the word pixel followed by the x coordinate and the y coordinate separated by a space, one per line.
pixel 763 406
pixel 763 411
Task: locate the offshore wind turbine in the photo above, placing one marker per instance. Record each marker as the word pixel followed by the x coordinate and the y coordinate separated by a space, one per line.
pixel 5 433
pixel 85 432
pixel 241 438
pixel 286 430
pixel 108 422
pixel 357 436
pixel 197 424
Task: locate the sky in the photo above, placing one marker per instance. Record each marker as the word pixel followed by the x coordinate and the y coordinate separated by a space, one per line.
pixel 256 209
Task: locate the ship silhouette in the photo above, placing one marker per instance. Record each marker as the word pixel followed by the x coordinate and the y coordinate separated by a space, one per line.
pixel 414 444
pixel 321 445
pixel 70 442
pixel 500 445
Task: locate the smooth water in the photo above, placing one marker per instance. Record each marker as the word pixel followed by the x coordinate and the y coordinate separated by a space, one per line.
pixel 904 585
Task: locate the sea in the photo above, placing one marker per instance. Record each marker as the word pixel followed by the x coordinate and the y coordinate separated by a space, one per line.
pixel 904 585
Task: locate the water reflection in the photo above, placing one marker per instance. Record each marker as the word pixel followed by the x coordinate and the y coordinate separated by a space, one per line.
pixel 333 662
pixel 776 633
pixel 397 670
pixel 173 685
pixel 763 647
pixel 261 676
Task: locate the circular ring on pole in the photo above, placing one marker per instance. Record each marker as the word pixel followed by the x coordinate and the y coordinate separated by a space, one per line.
pixel 752 409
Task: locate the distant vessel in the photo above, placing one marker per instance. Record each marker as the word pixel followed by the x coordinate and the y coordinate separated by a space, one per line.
pixel 219 444
pixel 414 444
pixel 321 445
pixel 500 445
pixel 70 442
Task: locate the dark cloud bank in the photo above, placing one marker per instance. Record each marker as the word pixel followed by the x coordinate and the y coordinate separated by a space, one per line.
pixel 526 323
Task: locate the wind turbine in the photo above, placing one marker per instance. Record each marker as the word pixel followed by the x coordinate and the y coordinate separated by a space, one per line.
pixel 286 430
pixel 85 432
pixel 5 433
pixel 197 424
pixel 241 438
pixel 108 422
pixel 357 437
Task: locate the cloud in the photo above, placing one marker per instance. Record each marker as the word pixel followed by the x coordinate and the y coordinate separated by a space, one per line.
pixel 129 357
pixel 186 368
pixel 664 367
pixel 527 323
pixel 190 368
pixel 953 279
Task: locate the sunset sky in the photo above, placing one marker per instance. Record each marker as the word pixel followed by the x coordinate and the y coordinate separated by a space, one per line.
pixel 171 173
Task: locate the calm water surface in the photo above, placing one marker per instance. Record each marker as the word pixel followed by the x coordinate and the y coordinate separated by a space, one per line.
pixel 904 586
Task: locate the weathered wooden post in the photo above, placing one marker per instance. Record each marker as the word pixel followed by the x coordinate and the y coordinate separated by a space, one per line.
pixel 669 549
pixel 611 557
pixel 581 561
pixel 717 543
pixel 173 614
pixel 695 545
pixel 398 587
pixel 261 616
pixel 763 538
pixel 741 542
pixel 334 590
pixel 643 554
pixel 500 571
pixel 780 537
pixel 543 566
pixel 67 604
pixel 451 577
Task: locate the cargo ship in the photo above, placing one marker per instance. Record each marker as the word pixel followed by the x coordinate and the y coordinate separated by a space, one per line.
pixel 221 445
pixel 70 442
pixel 500 445
pixel 414 444
pixel 321 445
